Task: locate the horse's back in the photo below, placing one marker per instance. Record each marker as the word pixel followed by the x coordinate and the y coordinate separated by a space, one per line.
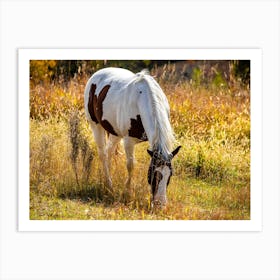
pixel 105 99
pixel 111 75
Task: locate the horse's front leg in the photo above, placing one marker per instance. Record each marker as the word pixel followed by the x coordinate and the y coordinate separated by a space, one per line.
pixel 129 151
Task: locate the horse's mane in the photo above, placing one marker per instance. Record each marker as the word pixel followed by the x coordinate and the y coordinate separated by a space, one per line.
pixel 164 136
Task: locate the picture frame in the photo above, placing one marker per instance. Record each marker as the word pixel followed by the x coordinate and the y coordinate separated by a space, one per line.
pixel 27 55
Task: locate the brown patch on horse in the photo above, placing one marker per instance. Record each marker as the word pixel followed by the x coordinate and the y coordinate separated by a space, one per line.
pixel 107 126
pixel 136 129
pixel 91 103
pixel 98 110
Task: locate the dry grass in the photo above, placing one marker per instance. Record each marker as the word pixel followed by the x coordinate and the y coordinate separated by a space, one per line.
pixel 212 170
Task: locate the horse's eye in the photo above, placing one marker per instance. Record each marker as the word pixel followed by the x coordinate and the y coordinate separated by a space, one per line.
pixel 140 91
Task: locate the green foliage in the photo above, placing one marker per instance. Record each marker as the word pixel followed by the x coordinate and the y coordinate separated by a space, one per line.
pixel 197 76
pixel 219 81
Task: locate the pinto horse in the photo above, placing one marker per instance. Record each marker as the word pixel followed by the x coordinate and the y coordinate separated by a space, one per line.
pixel 134 108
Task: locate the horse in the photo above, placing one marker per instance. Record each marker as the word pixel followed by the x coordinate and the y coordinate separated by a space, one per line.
pixel 132 107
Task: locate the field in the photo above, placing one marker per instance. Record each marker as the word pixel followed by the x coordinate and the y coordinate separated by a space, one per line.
pixel 212 170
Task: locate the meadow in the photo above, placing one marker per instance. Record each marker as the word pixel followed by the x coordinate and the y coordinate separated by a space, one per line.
pixel 211 178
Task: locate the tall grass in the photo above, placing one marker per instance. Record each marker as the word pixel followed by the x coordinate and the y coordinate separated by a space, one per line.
pixel 212 170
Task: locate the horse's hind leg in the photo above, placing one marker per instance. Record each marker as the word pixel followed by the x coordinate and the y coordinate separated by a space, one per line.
pixel 111 147
pixel 129 151
pixel 100 140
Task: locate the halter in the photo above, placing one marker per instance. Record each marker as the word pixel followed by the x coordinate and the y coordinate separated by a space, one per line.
pixel 156 161
pixel 160 160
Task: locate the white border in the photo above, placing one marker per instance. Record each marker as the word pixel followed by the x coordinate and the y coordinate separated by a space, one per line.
pixel 254 224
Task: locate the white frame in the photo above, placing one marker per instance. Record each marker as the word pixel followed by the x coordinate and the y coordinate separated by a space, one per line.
pixel 254 55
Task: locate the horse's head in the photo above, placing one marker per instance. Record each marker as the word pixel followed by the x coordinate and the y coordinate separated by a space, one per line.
pixel 159 174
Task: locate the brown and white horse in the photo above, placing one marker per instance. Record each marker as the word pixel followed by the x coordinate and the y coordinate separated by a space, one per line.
pixel 134 108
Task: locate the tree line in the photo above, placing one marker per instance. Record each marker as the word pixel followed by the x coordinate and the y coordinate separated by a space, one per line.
pixel 42 71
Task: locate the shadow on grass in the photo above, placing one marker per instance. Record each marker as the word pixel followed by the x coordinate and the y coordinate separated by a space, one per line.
pixel 97 193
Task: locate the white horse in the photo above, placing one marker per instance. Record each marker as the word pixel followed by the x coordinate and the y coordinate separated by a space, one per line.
pixel 134 108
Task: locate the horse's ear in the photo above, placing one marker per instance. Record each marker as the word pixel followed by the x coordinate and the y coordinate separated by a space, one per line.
pixel 175 152
pixel 150 153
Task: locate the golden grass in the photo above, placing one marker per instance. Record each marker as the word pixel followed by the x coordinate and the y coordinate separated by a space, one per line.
pixel 212 170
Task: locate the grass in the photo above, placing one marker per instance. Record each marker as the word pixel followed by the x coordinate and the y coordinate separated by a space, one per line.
pixel 212 170
pixel 193 200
